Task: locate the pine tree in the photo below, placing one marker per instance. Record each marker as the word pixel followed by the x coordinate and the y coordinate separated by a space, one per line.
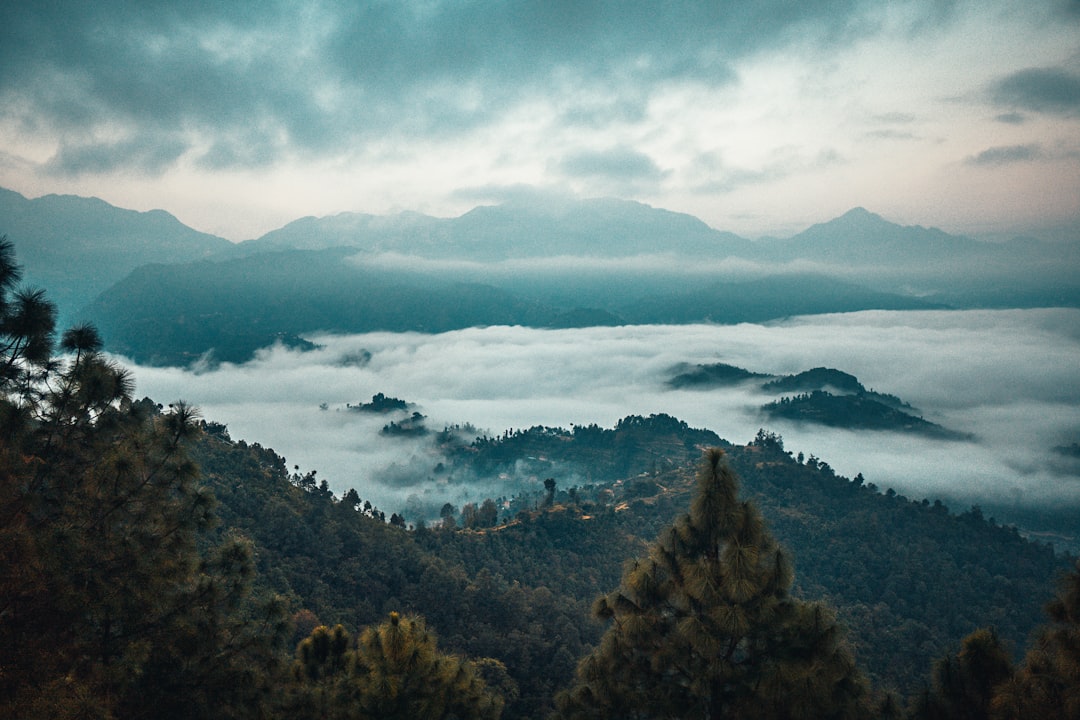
pixel 321 659
pixel 705 627
pixel 964 684
pixel 398 673
pixel 108 605
pixel 1048 685
pixel 395 671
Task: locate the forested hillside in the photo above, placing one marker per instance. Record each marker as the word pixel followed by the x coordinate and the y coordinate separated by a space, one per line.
pixel 894 567
pixel 175 314
pixel 826 396
pixel 908 578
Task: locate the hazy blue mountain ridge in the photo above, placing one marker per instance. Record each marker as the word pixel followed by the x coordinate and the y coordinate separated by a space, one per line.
pixel 547 262
pixel 403 232
pixel 862 237
pixel 594 228
pixel 859 247
pixel 767 298
pixel 174 314
pixel 77 247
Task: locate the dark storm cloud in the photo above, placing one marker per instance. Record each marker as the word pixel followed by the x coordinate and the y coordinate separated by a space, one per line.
pixel 150 154
pixel 1011 118
pixel 1006 155
pixel 1046 90
pixel 617 164
pixel 245 84
pixel 151 73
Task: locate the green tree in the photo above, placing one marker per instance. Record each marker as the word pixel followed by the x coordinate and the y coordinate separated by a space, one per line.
pixel 549 492
pixel 394 671
pixel 108 607
pixel 446 513
pixel 322 654
pixel 397 672
pixel 1047 686
pixel 27 324
pixel 320 663
pixel 705 627
pixel 489 513
pixel 963 684
pixel 470 516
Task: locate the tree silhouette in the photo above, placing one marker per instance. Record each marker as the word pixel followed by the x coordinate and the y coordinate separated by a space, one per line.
pixel 1048 684
pixel 704 626
pixel 963 684
pixel 109 604
pixel 398 673
pixel 446 514
pixel 549 492
pixel 395 671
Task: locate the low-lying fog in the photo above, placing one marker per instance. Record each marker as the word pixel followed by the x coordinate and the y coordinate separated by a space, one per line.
pixel 1011 378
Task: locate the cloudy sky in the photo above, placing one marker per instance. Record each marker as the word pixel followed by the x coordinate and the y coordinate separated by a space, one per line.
pixel 757 117
pixel 1007 377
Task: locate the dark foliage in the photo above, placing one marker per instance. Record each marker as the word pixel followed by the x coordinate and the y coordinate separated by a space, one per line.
pixel 704 626
pixel 713 375
pixel 115 600
pixel 862 411
pixel 1048 683
pixel 380 403
pixel 134 585
pixel 818 378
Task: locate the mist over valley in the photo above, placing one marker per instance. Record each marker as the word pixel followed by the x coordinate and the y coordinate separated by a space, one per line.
pixel 552 311
pixel 1006 378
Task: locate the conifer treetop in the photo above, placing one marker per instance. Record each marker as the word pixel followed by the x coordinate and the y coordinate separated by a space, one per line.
pixel 704 626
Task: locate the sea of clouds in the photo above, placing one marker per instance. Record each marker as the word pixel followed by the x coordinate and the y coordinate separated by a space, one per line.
pixel 1011 378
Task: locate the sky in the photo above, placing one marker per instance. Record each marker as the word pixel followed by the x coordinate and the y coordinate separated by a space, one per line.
pixel 1006 377
pixel 759 118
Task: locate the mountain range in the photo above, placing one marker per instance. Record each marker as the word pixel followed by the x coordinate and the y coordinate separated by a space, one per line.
pixel 161 291
pixel 77 247
pixel 595 228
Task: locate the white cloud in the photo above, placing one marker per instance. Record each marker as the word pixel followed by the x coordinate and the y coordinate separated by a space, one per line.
pixel 576 265
pixel 1008 377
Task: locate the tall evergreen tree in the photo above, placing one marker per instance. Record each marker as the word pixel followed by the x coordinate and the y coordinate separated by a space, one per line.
pixel 108 607
pixel 1048 685
pixel 394 672
pixel 964 684
pixel 705 627
pixel 399 674
pixel 318 669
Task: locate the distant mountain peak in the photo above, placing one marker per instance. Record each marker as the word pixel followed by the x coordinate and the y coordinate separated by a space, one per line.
pixel 860 212
pixel 857 223
pixel 76 246
pixel 859 217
